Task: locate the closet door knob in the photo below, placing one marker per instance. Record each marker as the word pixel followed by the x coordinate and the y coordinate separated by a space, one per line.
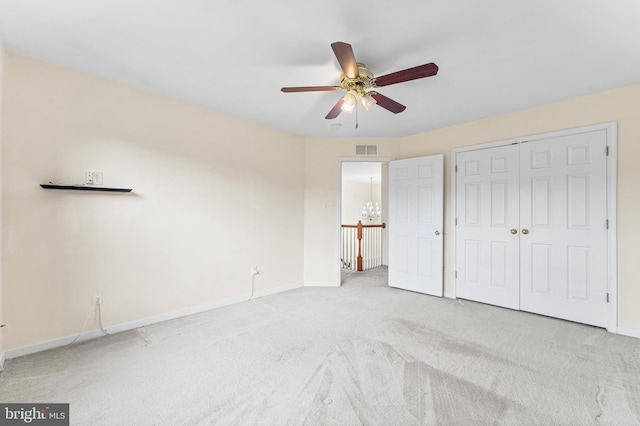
pixel 437 232
pixel 525 231
pixel 514 231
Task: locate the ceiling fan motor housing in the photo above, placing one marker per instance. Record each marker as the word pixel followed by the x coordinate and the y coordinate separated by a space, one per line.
pixel 361 83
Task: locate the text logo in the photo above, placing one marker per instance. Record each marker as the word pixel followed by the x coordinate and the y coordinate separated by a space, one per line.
pixel 34 414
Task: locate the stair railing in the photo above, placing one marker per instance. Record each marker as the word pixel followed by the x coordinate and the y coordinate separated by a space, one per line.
pixel 361 246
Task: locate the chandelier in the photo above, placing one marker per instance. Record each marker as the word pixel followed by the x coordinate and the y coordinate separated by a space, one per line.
pixel 371 210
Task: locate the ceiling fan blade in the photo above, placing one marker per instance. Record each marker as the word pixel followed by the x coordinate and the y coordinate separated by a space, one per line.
pixel 387 103
pixel 421 71
pixel 346 58
pixel 310 89
pixel 336 110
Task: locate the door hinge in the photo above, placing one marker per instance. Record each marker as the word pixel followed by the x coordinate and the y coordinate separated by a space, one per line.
pixel 607 223
pixel 456 168
pixel 456 221
pixel 456 274
pixel 607 297
pixel 606 151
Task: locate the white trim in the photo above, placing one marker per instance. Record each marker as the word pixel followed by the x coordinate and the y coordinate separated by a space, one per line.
pixel 626 331
pixel 321 284
pixel 540 136
pixel 51 344
pixel 2 359
pixel 612 239
pixel 339 204
pixel 277 290
pixel 612 142
pixel 130 325
pixel 453 197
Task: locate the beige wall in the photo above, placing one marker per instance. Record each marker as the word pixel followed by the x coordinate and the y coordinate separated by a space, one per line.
pixel 356 195
pixel 212 196
pixel 621 105
pixel 321 259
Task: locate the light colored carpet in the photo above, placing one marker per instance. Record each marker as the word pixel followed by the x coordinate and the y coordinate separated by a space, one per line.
pixel 360 354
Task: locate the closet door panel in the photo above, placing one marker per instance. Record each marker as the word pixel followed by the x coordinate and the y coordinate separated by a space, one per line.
pixel 486 213
pixel 563 210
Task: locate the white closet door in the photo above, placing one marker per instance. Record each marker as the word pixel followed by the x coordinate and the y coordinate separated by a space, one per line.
pixel 563 239
pixel 487 259
pixel 416 224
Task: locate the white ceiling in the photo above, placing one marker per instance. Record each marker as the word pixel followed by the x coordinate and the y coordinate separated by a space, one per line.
pixel 495 56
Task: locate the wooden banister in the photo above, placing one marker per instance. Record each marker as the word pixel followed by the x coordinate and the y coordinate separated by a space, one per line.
pixel 384 225
pixel 360 227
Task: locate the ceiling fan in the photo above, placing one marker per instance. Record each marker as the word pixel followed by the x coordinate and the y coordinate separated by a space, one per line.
pixel 360 83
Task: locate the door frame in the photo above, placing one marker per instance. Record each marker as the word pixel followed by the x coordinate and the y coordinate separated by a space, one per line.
pixel 341 160
pixel 611 129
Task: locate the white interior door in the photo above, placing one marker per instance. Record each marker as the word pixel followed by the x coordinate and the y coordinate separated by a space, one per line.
pixel 416 224
pixel 563 216
pixel 531 230
pixel 487 258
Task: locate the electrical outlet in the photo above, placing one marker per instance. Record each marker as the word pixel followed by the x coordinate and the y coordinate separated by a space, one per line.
pixel 89 178
pixel 97 298
pixel 97 178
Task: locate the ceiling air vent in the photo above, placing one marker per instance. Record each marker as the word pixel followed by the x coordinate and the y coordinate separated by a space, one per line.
pixel 368 150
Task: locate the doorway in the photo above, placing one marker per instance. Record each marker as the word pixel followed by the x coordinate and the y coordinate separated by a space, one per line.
pixel 411 204
pixel 362 213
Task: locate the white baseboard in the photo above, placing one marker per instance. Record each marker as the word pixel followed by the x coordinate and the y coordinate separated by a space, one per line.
pixel 50 344
pixel 131 325
pixel 277 290
pixel 2 355
pixel 126 326
pixel 631 332
pixel 321 284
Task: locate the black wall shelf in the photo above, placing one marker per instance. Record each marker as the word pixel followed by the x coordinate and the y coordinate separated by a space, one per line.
pixel 84 188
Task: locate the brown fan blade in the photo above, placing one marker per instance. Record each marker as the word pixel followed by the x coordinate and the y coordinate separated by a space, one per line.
pixel 310 89
pixel 346 58
pixel 421 71
pixel 336 110
pixel 388 103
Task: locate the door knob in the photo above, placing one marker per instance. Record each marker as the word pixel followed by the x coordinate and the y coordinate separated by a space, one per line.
pixel 437 232
pixel 525 231
pixel 514 231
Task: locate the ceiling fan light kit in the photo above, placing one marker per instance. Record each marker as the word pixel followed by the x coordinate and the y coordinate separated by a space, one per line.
pixel 349 101
pixel 359 83
pixel 368 101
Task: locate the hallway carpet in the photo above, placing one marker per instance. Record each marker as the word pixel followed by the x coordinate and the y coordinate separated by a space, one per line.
pixel 363 353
